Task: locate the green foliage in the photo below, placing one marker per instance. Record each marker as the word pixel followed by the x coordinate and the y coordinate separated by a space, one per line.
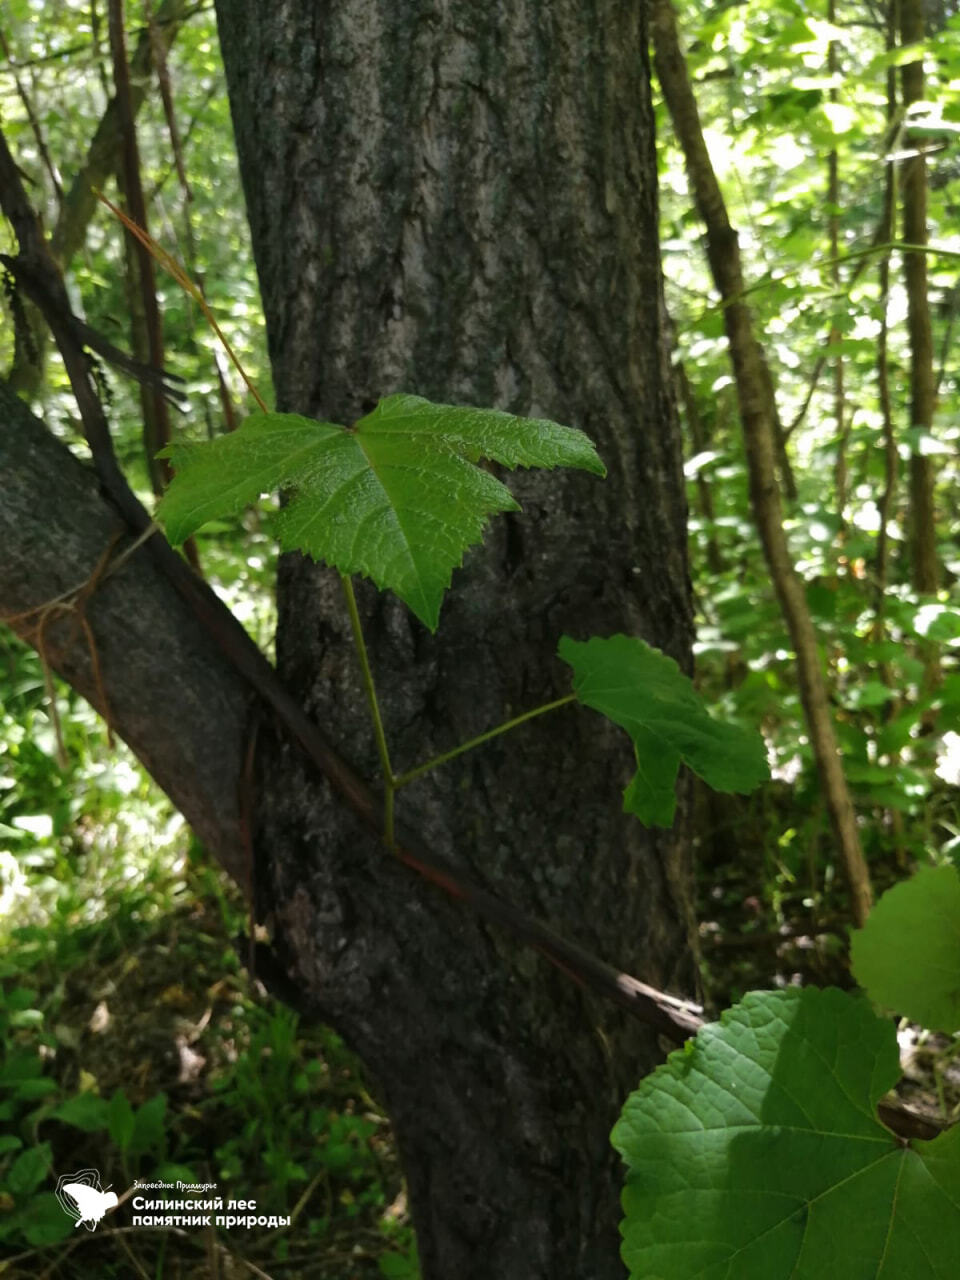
pixel 773 110
pixel 398 497
pixel 68 88
pixel 25 1163
pixel 74 875
pixel 277 1104
pixel 395 497
pixel 28 1099
pixel 646 693
pixel 28 1170
pixel 271 1068
pixel 86 1111
pixel 756 1151
pixel 42 1221
pixel 401 1266
pixel 907 956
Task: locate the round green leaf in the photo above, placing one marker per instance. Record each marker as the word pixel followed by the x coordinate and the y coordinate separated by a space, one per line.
pixel 907 955
pixel 755 1153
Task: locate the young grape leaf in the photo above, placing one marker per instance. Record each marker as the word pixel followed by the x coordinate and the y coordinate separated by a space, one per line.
pixel 755 1153
pixel 907 955
pixel 396 497
pixel 646 693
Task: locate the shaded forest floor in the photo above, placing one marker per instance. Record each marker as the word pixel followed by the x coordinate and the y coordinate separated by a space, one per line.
pixel 157 1005
pixel 191 1070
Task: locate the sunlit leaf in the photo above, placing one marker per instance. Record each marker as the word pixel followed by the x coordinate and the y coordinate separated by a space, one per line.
pixel 397 497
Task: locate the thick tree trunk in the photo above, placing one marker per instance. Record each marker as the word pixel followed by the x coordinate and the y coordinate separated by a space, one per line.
pixel 458 200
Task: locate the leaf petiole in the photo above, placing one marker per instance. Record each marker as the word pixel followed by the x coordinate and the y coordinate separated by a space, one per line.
pixel 412 774
pixel 369 688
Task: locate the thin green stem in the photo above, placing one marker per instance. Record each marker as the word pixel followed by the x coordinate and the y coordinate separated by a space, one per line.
pixel 389 782
pixel 507 725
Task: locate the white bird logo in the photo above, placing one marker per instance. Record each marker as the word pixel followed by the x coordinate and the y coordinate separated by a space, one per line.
pixel 81 1197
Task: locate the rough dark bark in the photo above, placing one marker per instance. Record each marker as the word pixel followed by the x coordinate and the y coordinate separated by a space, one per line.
pixel 458 200
pixel 171 695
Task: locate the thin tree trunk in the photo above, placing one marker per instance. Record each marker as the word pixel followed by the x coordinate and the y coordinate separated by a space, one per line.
pixel 891 456
pixel 146 331
pixel 833 199
pixel 699 441
pixel 79 203
pixel 757 414
pixel 923 532
pixel 460 201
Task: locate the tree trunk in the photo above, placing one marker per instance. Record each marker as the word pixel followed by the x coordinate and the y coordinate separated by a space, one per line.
pixel 458 200
pixel 925 563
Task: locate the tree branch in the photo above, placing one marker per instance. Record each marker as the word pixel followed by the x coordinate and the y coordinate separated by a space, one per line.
pixel 188 726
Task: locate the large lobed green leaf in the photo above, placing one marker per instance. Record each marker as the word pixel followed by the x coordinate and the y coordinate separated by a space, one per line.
pixel 396 497
pixel 755 1153
pixel 646 693
pixel 907 955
